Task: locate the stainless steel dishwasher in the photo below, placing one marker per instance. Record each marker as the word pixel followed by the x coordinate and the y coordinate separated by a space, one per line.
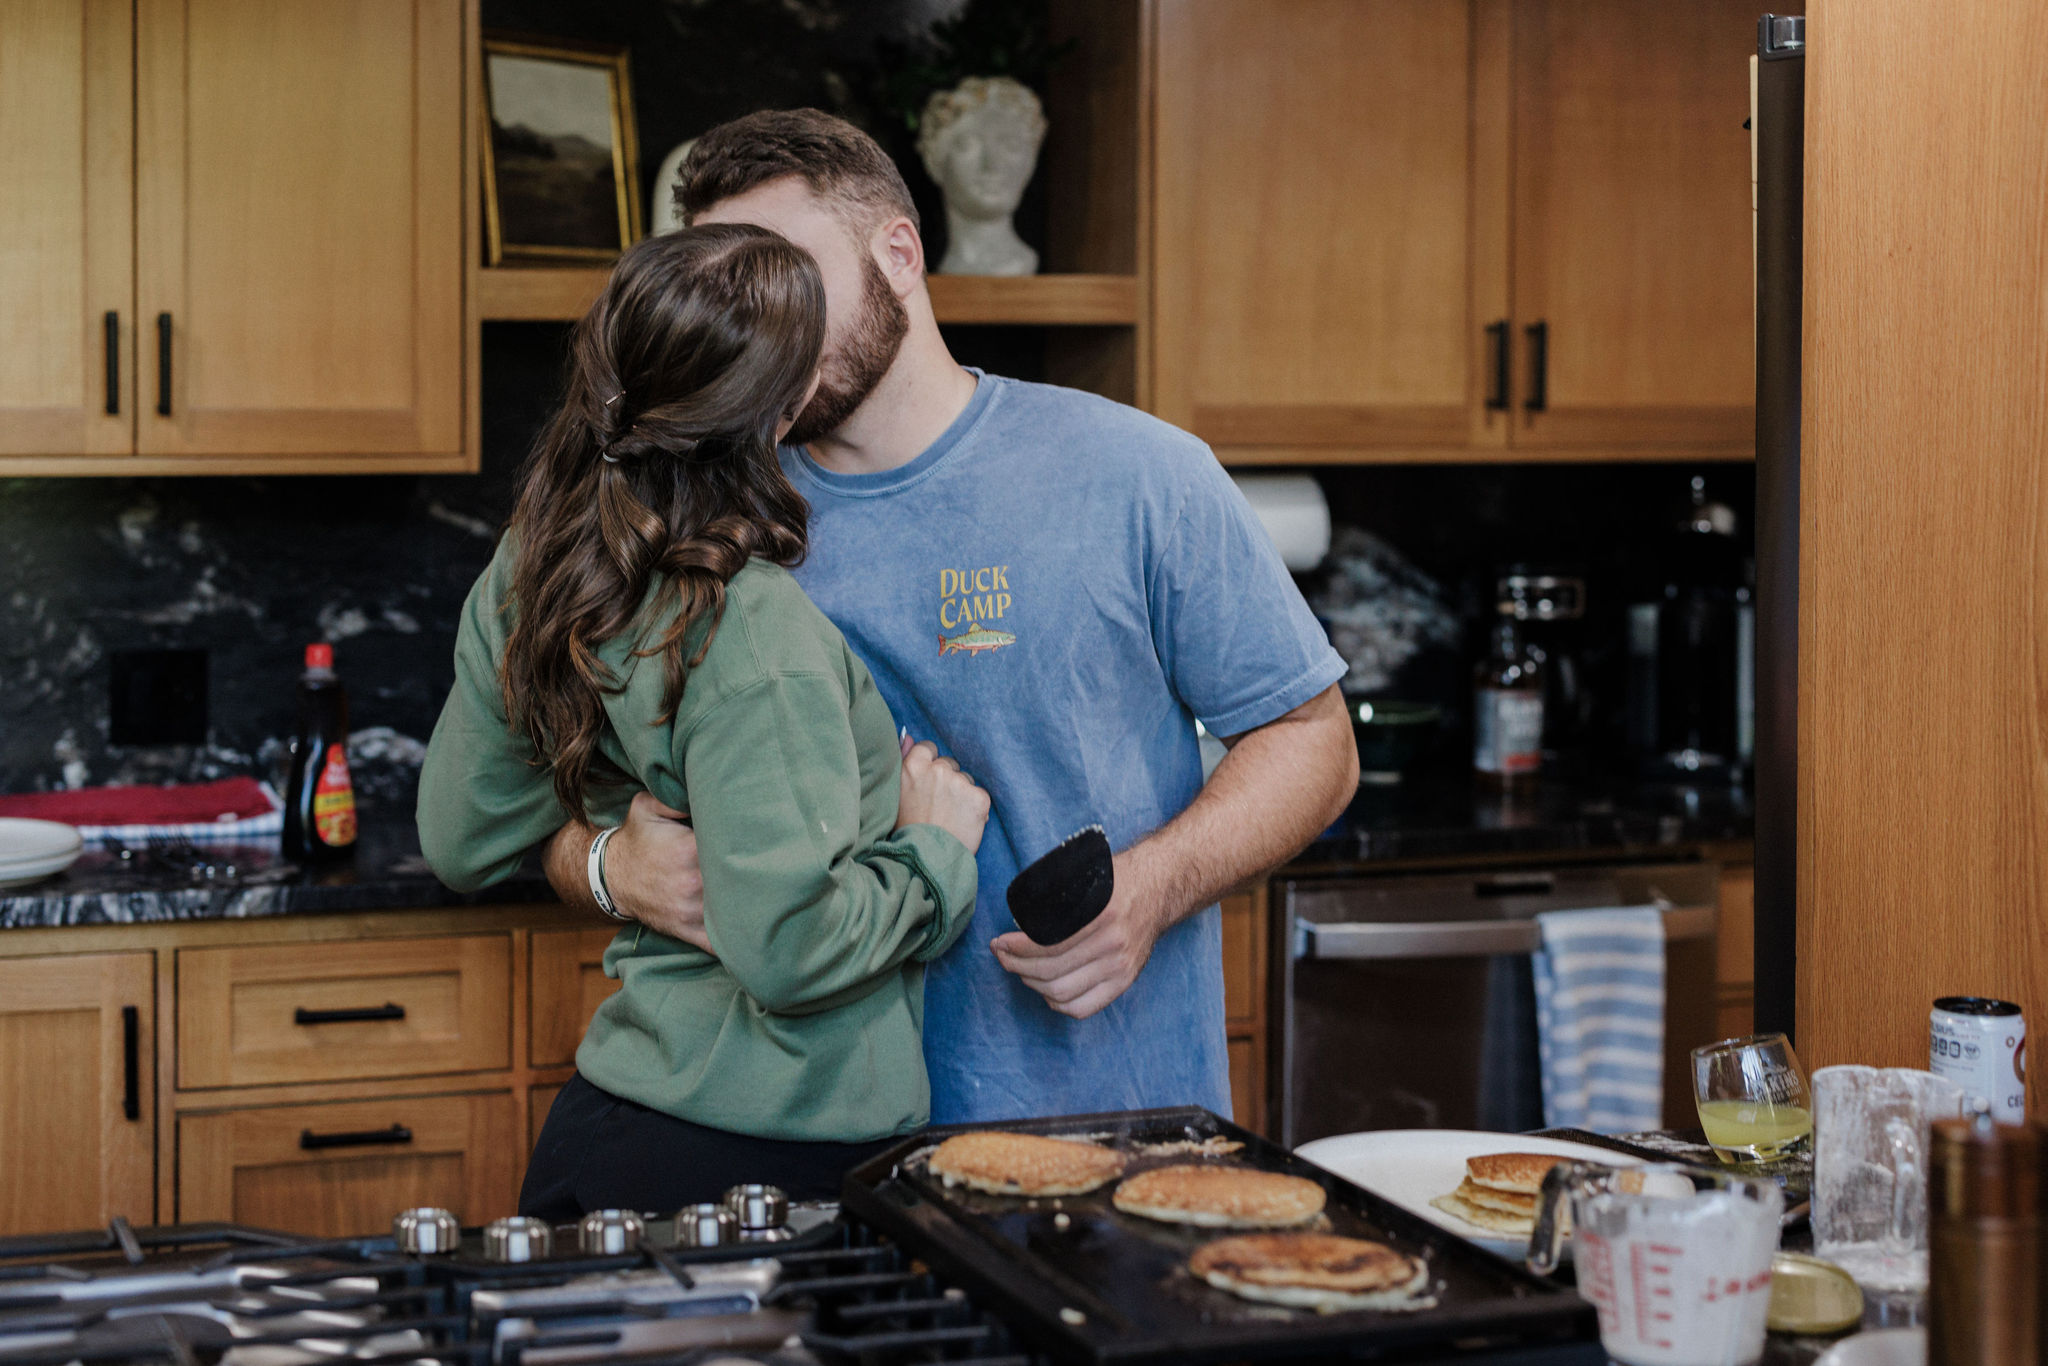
pixel 1408 1002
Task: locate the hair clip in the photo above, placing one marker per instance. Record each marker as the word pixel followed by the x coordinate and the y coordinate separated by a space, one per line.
pixel 605 454
pixel 614 399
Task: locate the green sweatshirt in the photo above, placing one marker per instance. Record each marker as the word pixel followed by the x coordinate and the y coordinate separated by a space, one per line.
pixel 807 1024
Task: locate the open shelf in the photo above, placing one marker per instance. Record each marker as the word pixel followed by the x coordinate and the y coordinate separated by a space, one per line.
pixel 562 294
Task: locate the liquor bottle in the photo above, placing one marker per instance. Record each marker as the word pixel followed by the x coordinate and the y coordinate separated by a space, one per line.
pixel 1507 709
pixel 320 806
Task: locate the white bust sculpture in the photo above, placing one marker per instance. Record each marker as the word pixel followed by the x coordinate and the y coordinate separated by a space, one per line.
pixel 980 142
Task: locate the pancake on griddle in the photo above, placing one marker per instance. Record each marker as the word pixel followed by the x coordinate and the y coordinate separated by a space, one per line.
pixel 1499 1192
pixel 1314 1271
pixel 1024 1164
pixel 1220 1197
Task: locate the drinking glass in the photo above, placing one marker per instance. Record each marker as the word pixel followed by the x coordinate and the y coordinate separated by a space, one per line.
pixel 1870 1146
pixel 1754 1101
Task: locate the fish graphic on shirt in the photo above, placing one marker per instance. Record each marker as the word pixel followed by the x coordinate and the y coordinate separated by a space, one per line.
pixel 974 640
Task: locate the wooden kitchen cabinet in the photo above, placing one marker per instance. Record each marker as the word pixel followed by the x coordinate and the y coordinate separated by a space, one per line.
pixel 1330 225
pixel 67 119
pixel 271 1014
pixel 1244 1004
pixel 1735 946
pixel 272 200
pixel 339 1169
pixel 1420 230
pixel 77 1091
pixel 568 986
pixel 1632 237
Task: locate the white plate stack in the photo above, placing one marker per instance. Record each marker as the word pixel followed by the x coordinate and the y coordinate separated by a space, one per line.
pixel 33 850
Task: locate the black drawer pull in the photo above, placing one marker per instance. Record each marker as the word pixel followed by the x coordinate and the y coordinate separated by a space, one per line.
pixel 1539 367
pixel 131 1062
pixel 1497 333
pixel 1515 884
pixel 390 1010
pixel 113 361
pixel 364 1138
pixel 163 364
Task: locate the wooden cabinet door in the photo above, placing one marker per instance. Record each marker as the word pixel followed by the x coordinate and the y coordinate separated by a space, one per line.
pixel 78 1127
pixel 568 986
pixel 343 1169
pixel 299 244
pixel 1330 235
pixel 66 230
pixel 1632 238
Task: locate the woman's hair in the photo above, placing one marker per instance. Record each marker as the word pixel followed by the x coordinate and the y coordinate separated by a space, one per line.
pixel 659 470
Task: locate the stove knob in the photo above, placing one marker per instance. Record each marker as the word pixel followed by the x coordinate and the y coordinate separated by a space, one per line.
pixel 762 1211
pixel 517 1239
pixel 706 1226
pixel 609 1232
pixel 427 1232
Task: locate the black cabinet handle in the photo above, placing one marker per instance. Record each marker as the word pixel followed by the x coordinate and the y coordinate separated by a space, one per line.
pixel 1497 399
pixel 363 1138
pixel 113 361
pixel 1539 367
pixel 390 1010
pixel 163 364
pixel 131 1060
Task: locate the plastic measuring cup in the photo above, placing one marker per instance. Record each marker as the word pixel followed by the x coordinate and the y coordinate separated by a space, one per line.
pixel 1676 1259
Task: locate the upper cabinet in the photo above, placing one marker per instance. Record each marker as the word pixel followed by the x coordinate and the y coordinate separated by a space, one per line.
pixel 289 294
pixel 67 242
pixel 1423 230
pixel 1632 241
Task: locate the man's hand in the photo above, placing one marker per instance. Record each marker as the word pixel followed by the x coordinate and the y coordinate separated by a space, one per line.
pixel 1081 975
pixel 650 869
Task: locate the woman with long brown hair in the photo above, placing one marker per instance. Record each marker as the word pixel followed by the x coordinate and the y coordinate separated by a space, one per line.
pixel 638 629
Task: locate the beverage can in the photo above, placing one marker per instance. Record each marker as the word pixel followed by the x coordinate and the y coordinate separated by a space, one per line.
pixel 1980 1044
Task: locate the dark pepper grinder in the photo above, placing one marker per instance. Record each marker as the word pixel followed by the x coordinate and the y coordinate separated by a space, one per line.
pixel 1984 1244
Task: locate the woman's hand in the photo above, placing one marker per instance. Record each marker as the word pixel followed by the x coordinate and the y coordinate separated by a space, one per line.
pixel 936 792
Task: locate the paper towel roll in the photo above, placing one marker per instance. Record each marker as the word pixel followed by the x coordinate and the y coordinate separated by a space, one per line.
pixel 1292 509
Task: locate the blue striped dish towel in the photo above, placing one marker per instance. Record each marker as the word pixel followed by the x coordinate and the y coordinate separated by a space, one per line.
pixel 1600 1018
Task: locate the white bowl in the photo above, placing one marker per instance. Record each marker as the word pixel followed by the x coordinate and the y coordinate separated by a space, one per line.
pixel 33 850
pixel 1882 1347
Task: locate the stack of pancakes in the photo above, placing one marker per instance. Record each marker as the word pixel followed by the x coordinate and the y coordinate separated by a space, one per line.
pixel 1499 1192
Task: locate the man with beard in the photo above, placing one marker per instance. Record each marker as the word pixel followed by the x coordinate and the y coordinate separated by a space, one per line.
pixel 1051 588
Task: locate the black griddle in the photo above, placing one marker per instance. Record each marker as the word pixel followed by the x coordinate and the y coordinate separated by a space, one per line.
pixel 1111 1287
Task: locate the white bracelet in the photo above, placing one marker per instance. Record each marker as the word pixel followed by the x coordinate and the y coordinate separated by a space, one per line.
pixel 598 892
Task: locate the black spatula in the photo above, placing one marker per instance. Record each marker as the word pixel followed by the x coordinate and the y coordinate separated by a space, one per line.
pixel 1057 896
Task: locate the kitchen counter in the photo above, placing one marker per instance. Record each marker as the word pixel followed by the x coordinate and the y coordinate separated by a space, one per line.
pixel 387 873
pixel 1432 818
pixel 1439 817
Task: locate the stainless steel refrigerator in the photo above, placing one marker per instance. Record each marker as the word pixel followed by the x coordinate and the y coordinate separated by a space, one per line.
pixel 1778 137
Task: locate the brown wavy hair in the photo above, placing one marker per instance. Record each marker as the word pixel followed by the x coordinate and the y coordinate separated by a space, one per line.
pixel 658 473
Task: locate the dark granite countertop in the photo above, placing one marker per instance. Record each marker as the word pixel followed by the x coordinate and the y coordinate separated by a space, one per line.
pixel 1433 818
pixel 1442 817
pixel 386 873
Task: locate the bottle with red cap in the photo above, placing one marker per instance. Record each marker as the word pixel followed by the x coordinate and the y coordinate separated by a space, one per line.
pixel 320 808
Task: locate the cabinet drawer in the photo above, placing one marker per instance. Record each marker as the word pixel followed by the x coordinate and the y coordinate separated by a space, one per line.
pixel 568 986
pixel 335 1012
pixel 340 1170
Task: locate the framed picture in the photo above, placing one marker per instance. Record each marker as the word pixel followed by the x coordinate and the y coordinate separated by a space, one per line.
pixel 561 172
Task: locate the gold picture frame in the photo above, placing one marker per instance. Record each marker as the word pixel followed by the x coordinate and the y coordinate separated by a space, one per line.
pixel 544 201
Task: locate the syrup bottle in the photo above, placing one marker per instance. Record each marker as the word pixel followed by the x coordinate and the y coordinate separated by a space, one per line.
pixel 320 805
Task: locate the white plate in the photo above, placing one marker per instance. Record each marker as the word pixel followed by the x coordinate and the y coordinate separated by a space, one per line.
pixel 33 850
pixel 1412 1167
pixel 1885 1347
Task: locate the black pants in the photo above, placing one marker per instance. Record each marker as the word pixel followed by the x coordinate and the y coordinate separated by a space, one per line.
pixel 600 1151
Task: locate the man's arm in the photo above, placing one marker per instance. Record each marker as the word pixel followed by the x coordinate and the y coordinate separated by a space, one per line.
pixel 650 870
pixel 1278 787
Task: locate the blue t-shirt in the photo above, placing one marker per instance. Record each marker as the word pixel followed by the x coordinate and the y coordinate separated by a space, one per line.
pixel 1052 593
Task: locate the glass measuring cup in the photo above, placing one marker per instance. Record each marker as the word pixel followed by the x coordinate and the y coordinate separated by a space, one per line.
pixel 1676 1259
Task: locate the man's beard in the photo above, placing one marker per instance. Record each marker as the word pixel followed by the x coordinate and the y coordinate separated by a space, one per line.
pixel 869 349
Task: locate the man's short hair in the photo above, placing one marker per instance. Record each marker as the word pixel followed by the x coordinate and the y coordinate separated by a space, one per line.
pixel 837 160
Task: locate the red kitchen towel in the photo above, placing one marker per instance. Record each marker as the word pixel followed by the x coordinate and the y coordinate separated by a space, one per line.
pixel 230 799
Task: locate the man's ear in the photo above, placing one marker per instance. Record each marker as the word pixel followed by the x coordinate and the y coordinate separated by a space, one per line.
pixel 899 251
